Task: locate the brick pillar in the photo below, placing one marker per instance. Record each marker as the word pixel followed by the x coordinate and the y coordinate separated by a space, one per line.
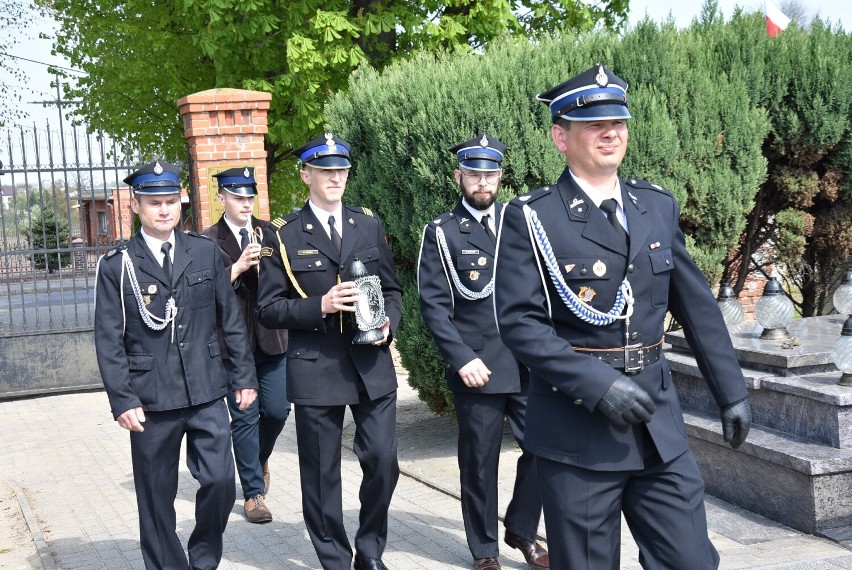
pixel 225 128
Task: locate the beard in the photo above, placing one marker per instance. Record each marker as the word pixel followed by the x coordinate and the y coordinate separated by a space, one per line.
pixel 478 201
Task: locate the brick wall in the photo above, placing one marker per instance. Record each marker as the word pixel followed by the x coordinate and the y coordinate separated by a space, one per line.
pixel 225 128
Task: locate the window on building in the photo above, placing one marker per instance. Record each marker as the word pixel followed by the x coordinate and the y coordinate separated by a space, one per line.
pixel 103 225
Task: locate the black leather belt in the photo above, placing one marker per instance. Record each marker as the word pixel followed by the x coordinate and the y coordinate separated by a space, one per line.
pixel 632 358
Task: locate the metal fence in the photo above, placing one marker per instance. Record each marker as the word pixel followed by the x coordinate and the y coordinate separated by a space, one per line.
pixel 63 205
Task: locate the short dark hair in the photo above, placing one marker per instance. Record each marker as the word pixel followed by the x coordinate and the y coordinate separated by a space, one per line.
pixel 565 124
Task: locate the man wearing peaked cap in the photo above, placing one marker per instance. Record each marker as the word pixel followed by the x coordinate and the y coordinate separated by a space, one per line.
pixel 159 299
pixel 455 281
pixel 604 420
pixel 256 428
pixel 306 286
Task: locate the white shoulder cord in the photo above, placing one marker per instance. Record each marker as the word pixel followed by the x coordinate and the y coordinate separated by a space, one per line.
pixel 581 309
pixel 154 322
pixel 463 291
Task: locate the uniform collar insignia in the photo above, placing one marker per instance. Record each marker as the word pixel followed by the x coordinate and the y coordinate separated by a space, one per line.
pixel 632 197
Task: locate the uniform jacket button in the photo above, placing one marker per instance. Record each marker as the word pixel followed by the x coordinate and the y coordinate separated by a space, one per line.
pixel 583 271
pixel 578 402
pixel 183 344
pixel 630 268
pixel 554 389
pixel 634 336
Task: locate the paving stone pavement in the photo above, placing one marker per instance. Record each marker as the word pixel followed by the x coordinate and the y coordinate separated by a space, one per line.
pixel 68 465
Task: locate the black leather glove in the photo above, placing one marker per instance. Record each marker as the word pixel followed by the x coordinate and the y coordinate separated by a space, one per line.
pixel 626 403
pixel 736 421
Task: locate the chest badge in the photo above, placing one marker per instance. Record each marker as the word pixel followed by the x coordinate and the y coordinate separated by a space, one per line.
pixel 319 262
pixel 599 268
pixel 569 267
pixel 474 275
pixel 146 299
pixel 152 289
pixel 482 261
pixel 587 294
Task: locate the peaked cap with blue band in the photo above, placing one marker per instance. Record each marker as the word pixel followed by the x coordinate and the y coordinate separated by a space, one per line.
pixel 239 181
pixel 482 152
pixel 158 177
pixel 596 94
pixel 327 151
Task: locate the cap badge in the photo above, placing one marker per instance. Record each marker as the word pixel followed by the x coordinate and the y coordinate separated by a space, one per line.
pixel 599 268
pixel 587 294
pixel 484 141
pixel 329 141
pixel 601 79
pixel 246 172
pixel 158 169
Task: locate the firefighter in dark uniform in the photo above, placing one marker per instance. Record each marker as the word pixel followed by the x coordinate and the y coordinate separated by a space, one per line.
pixel 586 271
pixel 306 287
pixel 158 299
pixel 256 428
pixel 455 282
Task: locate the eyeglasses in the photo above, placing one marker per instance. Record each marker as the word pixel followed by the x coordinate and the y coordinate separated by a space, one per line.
pixel 491 176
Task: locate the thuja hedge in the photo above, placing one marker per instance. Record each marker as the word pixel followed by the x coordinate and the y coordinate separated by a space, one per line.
pixel 693 132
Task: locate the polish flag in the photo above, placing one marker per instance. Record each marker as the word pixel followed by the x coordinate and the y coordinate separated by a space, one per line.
pixel 775 19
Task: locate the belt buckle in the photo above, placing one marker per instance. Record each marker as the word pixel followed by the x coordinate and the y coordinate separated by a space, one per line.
pixel 634 360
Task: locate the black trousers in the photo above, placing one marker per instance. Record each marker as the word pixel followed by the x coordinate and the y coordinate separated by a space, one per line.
pixel 480 419
pixel 663 505
pixel 156 453
pixel 318 433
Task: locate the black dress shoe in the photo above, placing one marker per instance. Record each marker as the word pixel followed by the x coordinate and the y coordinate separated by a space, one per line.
pixel 535 555
pixel 364 563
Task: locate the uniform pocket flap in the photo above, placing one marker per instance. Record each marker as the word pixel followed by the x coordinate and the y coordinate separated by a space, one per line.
pixel 661 260
pixel 466 262
pixel 584 268
pixel 303 350
pixel 367 255
pixel 315 263
pixel 140 361
pixel 201 276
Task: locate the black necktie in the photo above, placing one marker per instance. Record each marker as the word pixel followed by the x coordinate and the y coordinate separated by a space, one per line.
pixel 610 206
pixel 167 261
pixel 487 227
pixel 243 238
pixel 335 237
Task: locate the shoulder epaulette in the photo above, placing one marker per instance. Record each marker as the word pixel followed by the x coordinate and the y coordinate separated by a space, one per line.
pixel 644 184
pixel 282 221
pixel 442 219
pixel 534 195
pixel 198 235
pixel 118 248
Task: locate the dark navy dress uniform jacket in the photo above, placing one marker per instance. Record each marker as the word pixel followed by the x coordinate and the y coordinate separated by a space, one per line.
pixel 566 385
pixel 323 366
pixel 464 329
pixel 143 367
